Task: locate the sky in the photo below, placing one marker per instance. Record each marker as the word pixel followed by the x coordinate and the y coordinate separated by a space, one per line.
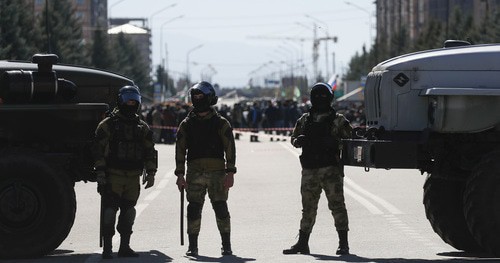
pixel 229 42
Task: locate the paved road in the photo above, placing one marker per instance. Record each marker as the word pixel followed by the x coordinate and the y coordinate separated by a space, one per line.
pixel 385 208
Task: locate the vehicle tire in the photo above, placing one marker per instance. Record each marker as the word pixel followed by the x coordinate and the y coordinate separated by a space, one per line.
pixel 443 202
pixel 481 202
pixel 37 207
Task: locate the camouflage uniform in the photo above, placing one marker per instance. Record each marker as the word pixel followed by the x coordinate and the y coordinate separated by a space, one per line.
pixel 206 174
pixel 328 178
pixel 123 148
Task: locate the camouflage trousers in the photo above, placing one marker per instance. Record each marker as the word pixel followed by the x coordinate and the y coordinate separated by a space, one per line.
pixel 198 184
pixel 331 180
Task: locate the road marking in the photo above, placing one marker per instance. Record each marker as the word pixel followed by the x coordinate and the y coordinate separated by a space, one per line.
pixel 350 183
pixel 391 208
pixel 139 208
pixel 357 192
pixel 144 203
pixel 371 207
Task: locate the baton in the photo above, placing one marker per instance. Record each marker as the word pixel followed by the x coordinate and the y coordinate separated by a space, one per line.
pixel 182 216
pixel 100 223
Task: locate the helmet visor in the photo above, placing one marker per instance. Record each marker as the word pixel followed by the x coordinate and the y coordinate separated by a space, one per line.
pixel 130 96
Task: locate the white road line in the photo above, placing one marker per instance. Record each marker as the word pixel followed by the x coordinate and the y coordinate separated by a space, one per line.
pixel 367 204
pixel 348 182
pixel 391 208
pixel 139 208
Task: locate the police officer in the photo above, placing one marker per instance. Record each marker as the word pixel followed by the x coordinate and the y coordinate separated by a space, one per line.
pixel 206 137
pixel 318 133
pixel 123 149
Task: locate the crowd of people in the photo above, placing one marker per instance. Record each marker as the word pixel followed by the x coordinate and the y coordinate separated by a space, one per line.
pixel 270 116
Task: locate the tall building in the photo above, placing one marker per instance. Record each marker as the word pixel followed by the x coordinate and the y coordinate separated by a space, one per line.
pixel 139 34
pixel 412 15
pixel 92 13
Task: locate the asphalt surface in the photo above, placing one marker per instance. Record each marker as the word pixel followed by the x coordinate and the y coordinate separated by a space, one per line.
pixel 387 219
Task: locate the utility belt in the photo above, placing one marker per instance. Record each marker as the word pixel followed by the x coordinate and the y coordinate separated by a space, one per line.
pixel 313 161
pixel 125 164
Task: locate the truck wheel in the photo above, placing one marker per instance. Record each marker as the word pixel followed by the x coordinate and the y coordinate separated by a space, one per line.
pixel 37 207
pixel 481 202
pixel 444 210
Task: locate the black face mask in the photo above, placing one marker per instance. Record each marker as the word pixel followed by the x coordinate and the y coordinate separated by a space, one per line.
pixel 201 105
pixel 127 110
pixel 320 103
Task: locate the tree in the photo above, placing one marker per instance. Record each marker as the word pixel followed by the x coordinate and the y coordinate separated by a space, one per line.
pixel 130 64
pixel 102 56
pixel 62 33
pixel 18 33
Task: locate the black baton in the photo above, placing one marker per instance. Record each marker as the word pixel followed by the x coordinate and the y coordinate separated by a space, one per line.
pixel 182 216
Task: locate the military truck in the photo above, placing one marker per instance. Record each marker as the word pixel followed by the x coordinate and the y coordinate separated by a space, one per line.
pixel 439 111
pixel 48 117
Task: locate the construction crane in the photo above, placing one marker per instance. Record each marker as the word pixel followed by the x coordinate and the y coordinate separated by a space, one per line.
pixel 316 41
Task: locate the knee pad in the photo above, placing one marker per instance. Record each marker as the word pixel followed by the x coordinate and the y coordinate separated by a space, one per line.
pixel 194 211
pixel 109 216
pixel 221 210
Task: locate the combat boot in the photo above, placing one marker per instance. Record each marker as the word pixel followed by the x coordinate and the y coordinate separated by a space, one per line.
pixel 125 250
pixel 226 244
pixel 193 245
pixel 343 248
pixel 301 247
pixel 107 249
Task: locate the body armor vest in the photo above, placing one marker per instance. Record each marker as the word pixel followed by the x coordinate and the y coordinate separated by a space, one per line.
pixel 203 140
pixel 126 149
pixel 316 153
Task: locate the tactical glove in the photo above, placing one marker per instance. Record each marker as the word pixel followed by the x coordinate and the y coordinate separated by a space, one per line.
pixel 101 181
pixel 300 141
pixel 150 180
pixel 100 178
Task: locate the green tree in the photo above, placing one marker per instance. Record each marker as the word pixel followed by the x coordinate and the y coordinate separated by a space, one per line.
pixel 102 55
pixel 62 33
pixel 129 63
pixel 18 35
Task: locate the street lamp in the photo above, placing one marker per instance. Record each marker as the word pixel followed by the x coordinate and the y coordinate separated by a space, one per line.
pixel 162 61
pixel 161 36
pixel 369 18
pixel 111 6
pixel 187 61
pixel 157 12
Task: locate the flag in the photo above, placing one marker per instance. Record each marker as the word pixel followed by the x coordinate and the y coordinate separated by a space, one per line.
pixel 333 82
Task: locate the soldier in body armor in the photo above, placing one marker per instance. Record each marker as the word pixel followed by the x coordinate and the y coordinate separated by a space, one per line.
pixel 123 149
pixel 205 140
pixel 319 133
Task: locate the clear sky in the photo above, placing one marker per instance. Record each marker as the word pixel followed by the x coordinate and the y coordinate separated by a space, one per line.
pixel 243 39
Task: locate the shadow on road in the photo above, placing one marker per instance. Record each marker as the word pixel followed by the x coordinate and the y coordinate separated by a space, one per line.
pixel 232 259
pixel 59 255
pixel 466 257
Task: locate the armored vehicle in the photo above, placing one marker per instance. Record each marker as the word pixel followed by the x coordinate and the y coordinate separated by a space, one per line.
pixel 439 111
pixel 48 117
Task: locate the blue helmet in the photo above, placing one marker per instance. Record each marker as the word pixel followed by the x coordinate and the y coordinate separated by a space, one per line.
pixel 127 93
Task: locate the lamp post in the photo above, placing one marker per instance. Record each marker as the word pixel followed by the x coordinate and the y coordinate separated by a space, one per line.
pixel 157 12
pixel 162 61
pixel 111 6
pixel 369 18
pixel 188 78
